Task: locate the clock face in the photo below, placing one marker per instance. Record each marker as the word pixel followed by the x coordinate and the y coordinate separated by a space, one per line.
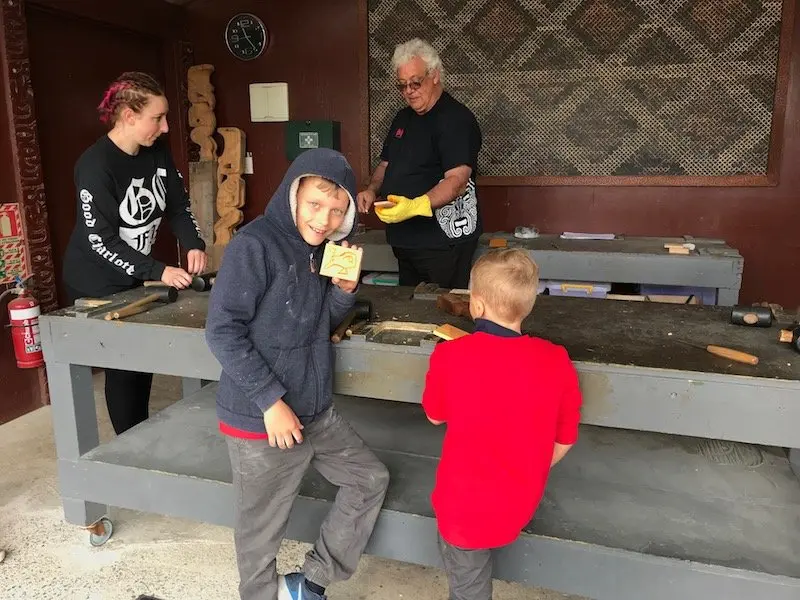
pixel 246 36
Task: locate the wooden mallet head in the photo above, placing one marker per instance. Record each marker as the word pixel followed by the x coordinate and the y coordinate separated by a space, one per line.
pixel 203 283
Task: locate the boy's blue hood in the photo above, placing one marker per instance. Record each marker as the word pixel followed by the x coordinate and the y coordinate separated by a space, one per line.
pixel 322 162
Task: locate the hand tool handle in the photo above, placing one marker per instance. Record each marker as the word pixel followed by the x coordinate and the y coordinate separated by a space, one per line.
pixel 155 284
pixel 131 309
pixel 731 354
pixel 339 332
pixel 130 313
pixel 355 326
pixel 791 336
pixel 581 287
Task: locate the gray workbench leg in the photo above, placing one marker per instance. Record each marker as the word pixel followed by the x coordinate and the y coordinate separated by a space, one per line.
pixel 727 296
pixel 192 386
pixel 794 460
pixel 75 430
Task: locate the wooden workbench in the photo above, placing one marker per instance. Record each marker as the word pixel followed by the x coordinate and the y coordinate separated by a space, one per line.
pixel 641 502
pixel 713 264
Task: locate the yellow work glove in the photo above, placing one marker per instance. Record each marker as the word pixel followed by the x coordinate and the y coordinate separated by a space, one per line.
pixel 404 208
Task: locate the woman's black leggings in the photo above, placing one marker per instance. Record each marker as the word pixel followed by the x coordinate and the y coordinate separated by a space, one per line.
pixel 127 392
pixel 127 398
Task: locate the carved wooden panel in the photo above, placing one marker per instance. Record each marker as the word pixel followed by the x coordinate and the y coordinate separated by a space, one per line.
pixel 230 185
pixel 598 88
pixel 25 151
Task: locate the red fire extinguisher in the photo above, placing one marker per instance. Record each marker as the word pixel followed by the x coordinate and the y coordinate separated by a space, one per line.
pixel 23 312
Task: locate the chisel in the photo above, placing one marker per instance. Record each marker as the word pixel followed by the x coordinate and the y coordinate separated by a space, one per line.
pixel 724 352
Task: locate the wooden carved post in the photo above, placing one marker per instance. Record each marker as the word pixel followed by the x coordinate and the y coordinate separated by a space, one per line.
pixel 230 188
pixel 27 187
pixel 203 173
pixel 202 119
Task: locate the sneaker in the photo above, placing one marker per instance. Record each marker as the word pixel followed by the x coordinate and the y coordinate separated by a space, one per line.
pixel 293 587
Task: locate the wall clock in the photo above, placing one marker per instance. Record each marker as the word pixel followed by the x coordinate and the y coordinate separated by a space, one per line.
pixel 246 36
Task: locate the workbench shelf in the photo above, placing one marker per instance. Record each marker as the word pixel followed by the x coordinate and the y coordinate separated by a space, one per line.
pixel 633 260
pixel 651 510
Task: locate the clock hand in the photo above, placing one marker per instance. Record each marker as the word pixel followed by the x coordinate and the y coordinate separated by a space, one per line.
pixel 244 33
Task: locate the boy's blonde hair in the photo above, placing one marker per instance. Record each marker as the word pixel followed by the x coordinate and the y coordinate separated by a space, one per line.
pixel 507 280
pixel 326 186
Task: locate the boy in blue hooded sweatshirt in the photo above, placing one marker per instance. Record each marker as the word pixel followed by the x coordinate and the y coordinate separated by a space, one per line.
pixel 269 323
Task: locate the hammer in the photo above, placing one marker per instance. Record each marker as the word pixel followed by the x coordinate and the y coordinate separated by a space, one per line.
pixel 203 283
pixel 754 316
pixel 167 295
pixel 362 310
pixel 200 283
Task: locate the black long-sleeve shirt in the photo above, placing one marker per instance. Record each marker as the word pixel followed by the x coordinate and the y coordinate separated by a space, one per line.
pixel 121 202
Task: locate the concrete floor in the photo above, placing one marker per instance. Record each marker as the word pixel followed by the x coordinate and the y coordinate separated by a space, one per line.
pixel 172 559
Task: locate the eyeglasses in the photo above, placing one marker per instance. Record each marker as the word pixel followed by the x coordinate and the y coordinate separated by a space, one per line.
pixel 412 85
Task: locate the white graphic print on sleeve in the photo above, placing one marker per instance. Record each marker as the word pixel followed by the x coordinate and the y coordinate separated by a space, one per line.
pixel 138 228
pixel 459 218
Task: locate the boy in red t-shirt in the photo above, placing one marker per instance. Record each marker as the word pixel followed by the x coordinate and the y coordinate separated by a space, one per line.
pixel 512 405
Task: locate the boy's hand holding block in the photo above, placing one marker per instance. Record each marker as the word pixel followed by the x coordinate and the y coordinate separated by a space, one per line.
pixel 341 262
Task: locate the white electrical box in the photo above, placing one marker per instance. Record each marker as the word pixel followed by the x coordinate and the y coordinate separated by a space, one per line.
pixel 269 102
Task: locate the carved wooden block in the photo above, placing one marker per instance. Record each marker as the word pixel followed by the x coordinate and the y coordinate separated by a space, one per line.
pixel 230 185
pixel 454 304
pixel 200 88
pixel 343 263
pixel 230 198
pixel 231 160
pixel 202 119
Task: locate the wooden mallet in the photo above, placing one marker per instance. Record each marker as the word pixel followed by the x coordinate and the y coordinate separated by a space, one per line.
pixel 361 311
pixel 166 295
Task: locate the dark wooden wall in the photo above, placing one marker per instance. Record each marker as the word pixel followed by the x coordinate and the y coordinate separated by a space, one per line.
pixel 69 51
pixel 313 49
pixel 78 89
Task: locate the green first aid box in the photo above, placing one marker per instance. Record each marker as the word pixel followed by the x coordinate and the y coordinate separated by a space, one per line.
pixel 304 135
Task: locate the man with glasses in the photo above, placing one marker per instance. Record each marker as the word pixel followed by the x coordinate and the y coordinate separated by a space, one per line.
pixel 427 175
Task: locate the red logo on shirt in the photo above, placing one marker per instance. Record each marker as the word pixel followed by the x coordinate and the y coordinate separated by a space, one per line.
pixel 399 133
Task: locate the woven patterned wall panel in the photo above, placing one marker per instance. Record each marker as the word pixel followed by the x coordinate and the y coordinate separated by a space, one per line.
pixel 595 87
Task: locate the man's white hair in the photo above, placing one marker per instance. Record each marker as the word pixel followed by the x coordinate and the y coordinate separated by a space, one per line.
pixel 405 52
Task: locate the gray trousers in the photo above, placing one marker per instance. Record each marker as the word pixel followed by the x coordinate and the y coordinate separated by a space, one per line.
pixel 266 481
pixel 469 572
